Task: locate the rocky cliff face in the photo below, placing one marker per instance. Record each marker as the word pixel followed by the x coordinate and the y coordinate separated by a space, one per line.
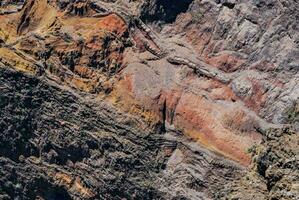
pixel 149 99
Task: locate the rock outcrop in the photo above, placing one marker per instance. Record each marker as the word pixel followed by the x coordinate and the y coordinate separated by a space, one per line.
pixel 149 99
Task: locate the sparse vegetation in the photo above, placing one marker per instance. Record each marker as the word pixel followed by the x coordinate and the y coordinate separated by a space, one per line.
pixel 252 149
pixel 293 113
pixel 197 17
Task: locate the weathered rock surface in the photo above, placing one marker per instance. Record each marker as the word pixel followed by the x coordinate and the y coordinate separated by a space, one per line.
pixel 149 99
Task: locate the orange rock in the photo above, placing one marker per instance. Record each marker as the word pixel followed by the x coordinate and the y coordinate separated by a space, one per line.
pixel 203 120
pixel 211 124
pixel 73 183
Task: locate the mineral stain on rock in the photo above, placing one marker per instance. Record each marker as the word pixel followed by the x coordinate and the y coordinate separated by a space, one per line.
pixel 149 99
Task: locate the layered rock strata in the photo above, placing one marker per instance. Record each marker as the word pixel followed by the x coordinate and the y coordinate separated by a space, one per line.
pixel 149 99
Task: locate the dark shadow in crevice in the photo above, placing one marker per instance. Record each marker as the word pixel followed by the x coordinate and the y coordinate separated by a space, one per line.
pixel 164 108
pixel 229 5
pixel 163 11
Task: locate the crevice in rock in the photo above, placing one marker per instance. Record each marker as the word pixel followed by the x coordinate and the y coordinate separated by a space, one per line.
pixel 25 19
pixel 164 109
pixel 164 11
pixel 229 5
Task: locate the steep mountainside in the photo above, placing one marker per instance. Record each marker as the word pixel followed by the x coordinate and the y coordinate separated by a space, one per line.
pixel 149 99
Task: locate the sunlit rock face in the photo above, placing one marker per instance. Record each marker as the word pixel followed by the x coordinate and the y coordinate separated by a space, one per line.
pixel 149 99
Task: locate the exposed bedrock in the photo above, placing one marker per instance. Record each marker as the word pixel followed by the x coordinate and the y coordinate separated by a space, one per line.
pixel 98 103
pixel 82 148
